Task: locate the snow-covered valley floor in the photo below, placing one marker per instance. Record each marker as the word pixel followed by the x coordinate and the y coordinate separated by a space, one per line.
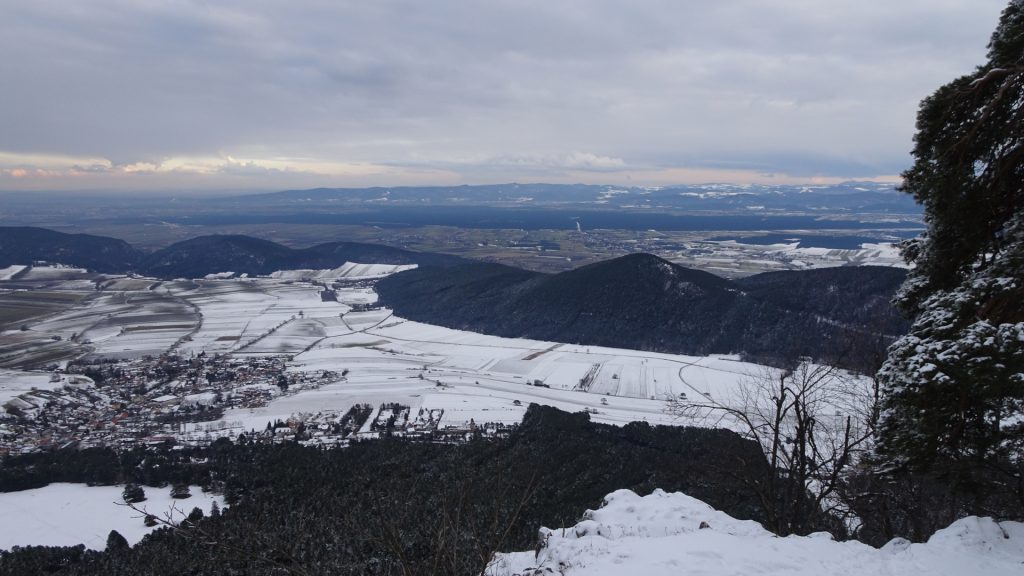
pixel 380 358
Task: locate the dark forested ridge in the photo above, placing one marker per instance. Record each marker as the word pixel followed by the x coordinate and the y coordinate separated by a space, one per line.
pixel 851 295
pixel 197 257
pixel 643 302
pixel 204 255
pixel 338 511
pixel 23 245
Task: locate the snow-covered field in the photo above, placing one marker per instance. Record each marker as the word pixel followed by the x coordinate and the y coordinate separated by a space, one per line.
pixel 11 271
pixel 662 534
pixel 732 258
pixel 470 376
pixel 54 273
pixel 877 254
pixel 347 271
pixel 70 514
pixel 13 383
pixel 128 317
pixel 241 313
pixel 490 379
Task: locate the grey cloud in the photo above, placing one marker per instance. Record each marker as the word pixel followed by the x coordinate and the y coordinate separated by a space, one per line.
pixel 799 86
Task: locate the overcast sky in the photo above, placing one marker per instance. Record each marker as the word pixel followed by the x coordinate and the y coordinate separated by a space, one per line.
pixel 251 94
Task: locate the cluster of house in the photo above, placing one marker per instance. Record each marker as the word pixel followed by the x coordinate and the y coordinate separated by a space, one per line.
pixel 362 422
pixel 145 401
pixel 182 401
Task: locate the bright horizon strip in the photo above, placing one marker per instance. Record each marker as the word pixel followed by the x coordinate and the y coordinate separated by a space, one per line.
pixel 41 172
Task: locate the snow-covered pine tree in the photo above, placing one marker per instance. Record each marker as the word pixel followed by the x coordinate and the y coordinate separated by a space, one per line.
pixel 953 388
pixel 116 543
pixel 133 494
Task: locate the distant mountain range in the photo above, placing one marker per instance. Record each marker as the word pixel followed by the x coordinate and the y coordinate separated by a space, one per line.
pixel 721 207
pixel 860 197
pixel 197 257
pixel 643 302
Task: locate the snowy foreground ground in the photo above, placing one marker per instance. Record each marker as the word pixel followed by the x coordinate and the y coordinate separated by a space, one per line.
pixel 70 514
pixel 660 534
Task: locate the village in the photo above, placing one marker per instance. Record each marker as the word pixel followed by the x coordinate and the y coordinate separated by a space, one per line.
pixel 177 401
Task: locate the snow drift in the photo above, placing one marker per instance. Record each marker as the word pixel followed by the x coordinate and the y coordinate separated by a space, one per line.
pixel 669 534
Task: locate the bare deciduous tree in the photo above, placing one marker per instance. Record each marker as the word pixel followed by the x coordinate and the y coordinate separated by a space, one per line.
pixel 811 421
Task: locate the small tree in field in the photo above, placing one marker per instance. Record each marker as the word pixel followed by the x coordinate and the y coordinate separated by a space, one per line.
pixel 133 494
pixel 180 491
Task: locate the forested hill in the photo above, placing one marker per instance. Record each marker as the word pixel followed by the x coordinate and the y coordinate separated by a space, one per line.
pixel 197 257
pixel 204 255
pixel 24 245
pixel 643 302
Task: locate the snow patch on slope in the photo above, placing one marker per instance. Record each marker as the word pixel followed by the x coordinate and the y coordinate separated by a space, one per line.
pixel 669 534
pixel 11 271
pixel 348 271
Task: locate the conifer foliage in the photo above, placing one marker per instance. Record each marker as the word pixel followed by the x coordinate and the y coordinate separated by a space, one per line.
pixel 954 386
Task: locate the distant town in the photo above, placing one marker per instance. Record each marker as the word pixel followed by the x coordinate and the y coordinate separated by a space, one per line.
pixel 174 400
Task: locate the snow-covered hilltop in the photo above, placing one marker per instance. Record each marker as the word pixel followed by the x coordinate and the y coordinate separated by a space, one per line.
pixel 671 534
